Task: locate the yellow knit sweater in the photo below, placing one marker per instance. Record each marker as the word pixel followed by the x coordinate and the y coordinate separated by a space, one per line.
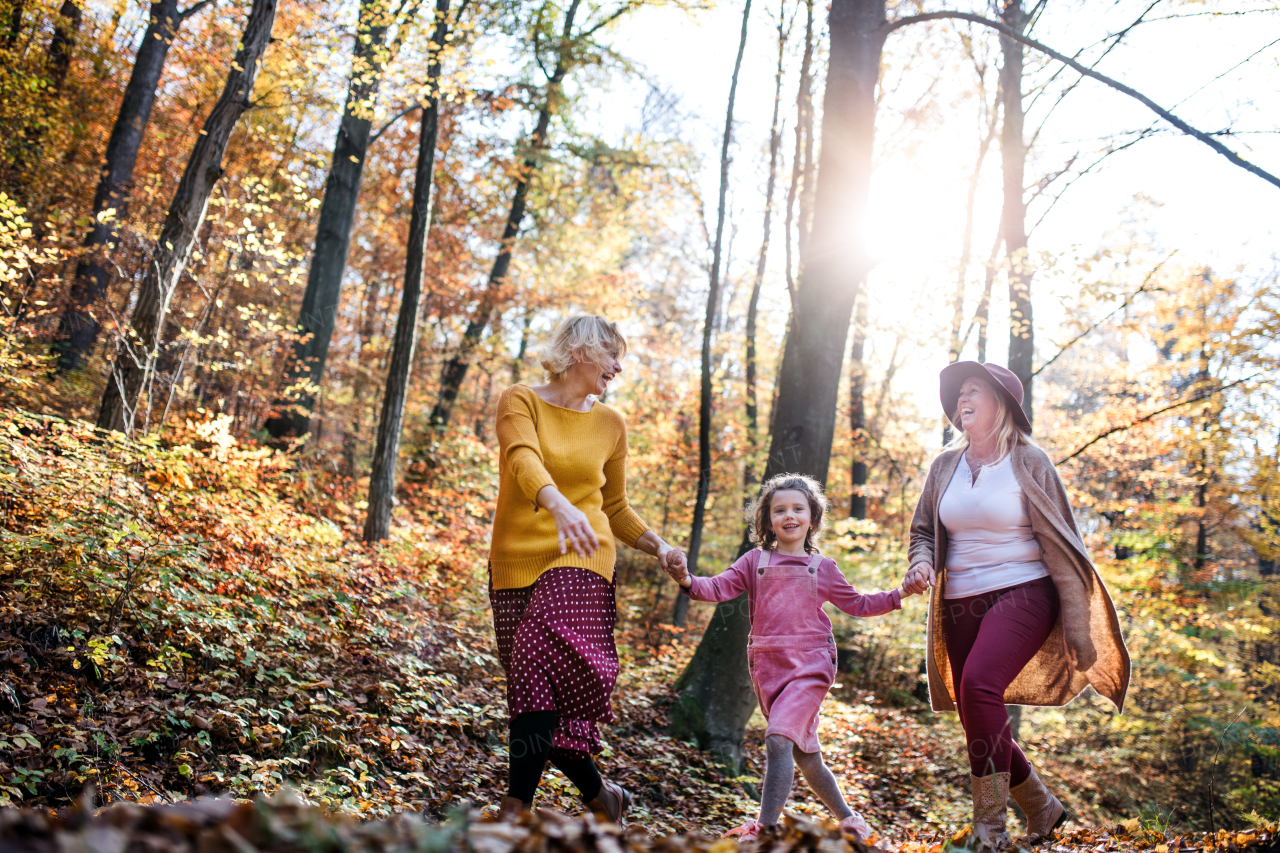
pixel 584 455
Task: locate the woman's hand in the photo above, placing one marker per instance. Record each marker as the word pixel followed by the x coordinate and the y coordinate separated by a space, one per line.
pixel 671 559
pixel 920 578
pixel 571 523
pixel 675 564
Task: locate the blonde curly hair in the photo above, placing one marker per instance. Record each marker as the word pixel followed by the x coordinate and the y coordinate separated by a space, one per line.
pixel 582 337
pixel 758 512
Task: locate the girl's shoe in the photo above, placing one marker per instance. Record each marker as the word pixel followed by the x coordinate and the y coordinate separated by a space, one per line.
pixel 856 826
pixel 746 832
pixel 510 809
pixel 611 803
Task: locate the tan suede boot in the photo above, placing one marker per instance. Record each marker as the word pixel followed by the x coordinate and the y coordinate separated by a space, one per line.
pixel 991 810
pixel 1044 812
pixel 611 803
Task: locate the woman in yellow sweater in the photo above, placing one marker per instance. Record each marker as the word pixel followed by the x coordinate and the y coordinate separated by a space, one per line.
pixel 562 500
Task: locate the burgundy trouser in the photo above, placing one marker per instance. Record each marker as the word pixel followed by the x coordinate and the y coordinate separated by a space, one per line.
pixel 990 638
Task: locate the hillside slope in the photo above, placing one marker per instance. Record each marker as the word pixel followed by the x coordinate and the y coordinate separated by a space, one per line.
pixel 201 618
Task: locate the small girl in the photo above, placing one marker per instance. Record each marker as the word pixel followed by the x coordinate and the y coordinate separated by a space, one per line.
pixel 791 652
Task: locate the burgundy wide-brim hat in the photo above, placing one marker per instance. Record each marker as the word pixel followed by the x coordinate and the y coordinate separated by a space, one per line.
pixel 1001 378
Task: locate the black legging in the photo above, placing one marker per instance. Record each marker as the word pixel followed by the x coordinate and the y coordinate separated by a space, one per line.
pixel 528 749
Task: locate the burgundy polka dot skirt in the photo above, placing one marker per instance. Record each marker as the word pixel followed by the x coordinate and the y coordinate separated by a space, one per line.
pixel 555 641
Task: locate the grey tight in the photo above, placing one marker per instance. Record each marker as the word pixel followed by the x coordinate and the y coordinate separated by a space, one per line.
pixel 779 773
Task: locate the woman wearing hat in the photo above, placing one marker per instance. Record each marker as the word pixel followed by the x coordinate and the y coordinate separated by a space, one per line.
pixel 1018 614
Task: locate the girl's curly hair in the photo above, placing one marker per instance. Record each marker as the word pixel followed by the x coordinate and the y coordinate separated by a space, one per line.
pixel 758 512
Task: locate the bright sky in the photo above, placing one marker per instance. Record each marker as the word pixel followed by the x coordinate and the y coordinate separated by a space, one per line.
pixel 1208 209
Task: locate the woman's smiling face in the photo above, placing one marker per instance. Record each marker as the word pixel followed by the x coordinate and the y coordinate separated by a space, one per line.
pixel 978 407
pixel 595 377
pixel 790 516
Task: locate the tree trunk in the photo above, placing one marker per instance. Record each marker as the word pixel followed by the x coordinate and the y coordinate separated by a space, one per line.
pixel 966 245
pixel 455 368
pixel 775 146
pixel 1013 218
pixel 1013 224
pixel 1211 415
pixel 62 45
pixel 802 161
pixel 15 23
pixel 291 413
pixel 138 349
pixel 708 329
pixel 382 476
pixel 982 314
pixel 517 363
pixel 858 412
pixel 716 697
pixel 482 413
pixel 30 154
pixel 966 256
pixel 1013 157
pixel 78 328
pixel 1015 721
pixel 808 174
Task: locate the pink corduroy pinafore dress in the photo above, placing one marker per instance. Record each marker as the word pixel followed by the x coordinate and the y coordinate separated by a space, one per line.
pixel 791 652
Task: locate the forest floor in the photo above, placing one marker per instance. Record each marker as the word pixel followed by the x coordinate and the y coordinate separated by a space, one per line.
pixel 201 618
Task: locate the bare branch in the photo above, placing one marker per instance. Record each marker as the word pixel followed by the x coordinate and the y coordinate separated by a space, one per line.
pixel 1150 130
pixel 404 112
pixel 1194 398
pixel 907 124
pixel 1216 14
pixel 1047 181
pixel 1013 34
pixel 980 313
pixel 609 19
pixel 1115 39
pixel 1228 71
pixel 193 10
pixel 1141 136
pixel 1146 282
pixel 537 46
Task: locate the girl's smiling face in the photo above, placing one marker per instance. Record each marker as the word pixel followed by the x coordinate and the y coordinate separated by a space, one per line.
pixel 790 518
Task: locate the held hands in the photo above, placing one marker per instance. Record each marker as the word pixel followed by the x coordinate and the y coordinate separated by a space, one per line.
pixel 671 559
pixel 675 564
pixel 920 578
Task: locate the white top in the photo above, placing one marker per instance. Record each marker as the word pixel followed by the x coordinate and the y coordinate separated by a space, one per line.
pixel 989 541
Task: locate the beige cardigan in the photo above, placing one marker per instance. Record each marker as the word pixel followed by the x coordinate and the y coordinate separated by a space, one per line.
pixel 1085 646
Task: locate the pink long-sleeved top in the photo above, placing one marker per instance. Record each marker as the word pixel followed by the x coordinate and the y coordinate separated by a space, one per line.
pixel 830 585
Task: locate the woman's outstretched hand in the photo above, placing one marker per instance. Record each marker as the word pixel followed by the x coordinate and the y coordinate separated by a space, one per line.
pixel 572 526
pixel 920 578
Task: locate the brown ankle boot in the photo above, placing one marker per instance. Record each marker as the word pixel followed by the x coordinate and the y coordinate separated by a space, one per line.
pixel 991 811
pixel 510 809
pixel 611 803
pixel 1044 812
